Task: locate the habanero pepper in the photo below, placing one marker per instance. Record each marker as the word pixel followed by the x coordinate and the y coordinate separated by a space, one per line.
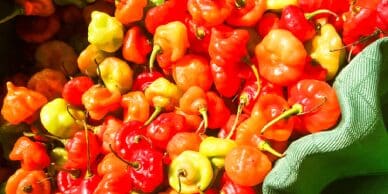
pixel 193 122
pixel 199 36
pixel 21 104
pixel 229 187
pixel 31 8
pixel 170 44
pixel 268 21
pixel 182 141
pixel 225 80
pixel 144 79
pixel 110 163
pixel 194 101
pixel 382 15
pixel 114 182
pixel 218 112
pixel 74 88
pixel 90 58
pixel 129 11
pixel 48 82
pixel 116 74
pixel 281 57
pixel 136 46
pixel 25 181
pixel 247 12
pixel 67 179
pixel 216 149
pixel 136 106
pixel 107 131
pixel 210 13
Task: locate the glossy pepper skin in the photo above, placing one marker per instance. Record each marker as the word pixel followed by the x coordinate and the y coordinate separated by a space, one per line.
pixel 170 44
pixel 116 74
pixel 25 181
pixel 210 13
pixel 247 12
pixel 129 11
pixel 106 32
pixel 281 57
pixel 144 79
pixel 89 58
pixel 136 106
pixel 216 149
pixel 61 120
pixel 74 88
pixel 16 108
pixel 136 46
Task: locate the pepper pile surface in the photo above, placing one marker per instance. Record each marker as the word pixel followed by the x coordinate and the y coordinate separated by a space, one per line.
pixel 174 96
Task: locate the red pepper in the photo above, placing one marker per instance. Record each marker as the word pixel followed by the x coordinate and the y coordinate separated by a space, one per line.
pixel 382 16
pixel 210 13
pixel 225 131
pixel 229 187
pixel 36 29
pixel 32 155
pixel 86 185
pixel 226 81
pixel 218 112
pixel 338 6
pixel 106 132
pixel 268 22
pixel 74 88
pixel 199 36
pixel 114 182
pixel 130 133
pixel 129 11
pixel 66 180
pixel 144 79
pixel 136 46
pixel 246 12
pixel 31 8
pixel 164 127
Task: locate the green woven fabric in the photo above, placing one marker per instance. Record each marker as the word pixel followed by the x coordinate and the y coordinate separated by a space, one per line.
pixel 353 157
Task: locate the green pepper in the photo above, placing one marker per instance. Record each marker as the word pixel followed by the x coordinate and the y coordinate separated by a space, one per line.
pixel 61 120
pixel 105 31
pixel 326 49
pixel 162 95
pixel 190 172
pixel 216 149
pixel 59 156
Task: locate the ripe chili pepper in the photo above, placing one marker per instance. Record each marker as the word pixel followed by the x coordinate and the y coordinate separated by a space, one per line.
pixel 76 147
pixel 170 44
pixel 36 29
pixel 382 15
pixel 67 179
pixel 74 88
pixel 194 101
pixel 171 10
pixel 326 49
pixel 229 187
pixel 281 57
pixel 21 104
pixel 247 12
pixel 164 127
pixel 31 8
pixel 114 182
pixel 182 141
pixel 210 13
pixel 129 11
pixel 162 95
pixel 25 181
pixel 186 69
pixel 296 21
pixel 268 21
pixel 226 81
pixel 107 131
pixel 89 59
pixel 57 55
pixel 136 46
pixel 144 79
pixel 314 70
pixel 61 120
pixel 105 31
pixel 87 185
pixel 116 74
pixel 111 164
pixel 335 6
pixel 193 122
pixel 216 149
pixel 190 172
pixel 32 155
pixel 199 36
pixel 99 101
pixel 218 112
pixel 315 103
pixel 136 106
pixel 226 130
pixel 246 165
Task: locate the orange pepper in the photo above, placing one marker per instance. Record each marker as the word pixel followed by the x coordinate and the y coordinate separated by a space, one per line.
pixel 89 59
pixel 48 82
pixel 31 182
pixel 194 101
pixel 136 106
pixel 21 104
pixel 111 163
pixel 129 11
pixel 99 101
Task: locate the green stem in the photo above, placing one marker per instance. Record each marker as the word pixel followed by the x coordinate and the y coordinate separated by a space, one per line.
pixel 240 3
pixel 88 165
pixel 256 73
pixel 156 112
pixel 135 165
pixel 294 110
pixel 319 11
pixel 156 50
pixel 265 146
pixel 63 141
pixel 16 12
pixel 203 112
pixel 241 105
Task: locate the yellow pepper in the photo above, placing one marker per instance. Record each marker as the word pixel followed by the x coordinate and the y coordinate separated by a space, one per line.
pixel 326 49
pixel 278 5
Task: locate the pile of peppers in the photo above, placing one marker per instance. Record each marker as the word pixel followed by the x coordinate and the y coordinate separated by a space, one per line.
pixel 172 96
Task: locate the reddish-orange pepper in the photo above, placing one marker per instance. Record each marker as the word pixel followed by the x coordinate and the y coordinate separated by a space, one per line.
pixel 194 101
pixel 31 8
pixel 89 59
pixel 106 132
pixel 36 29
pixel 136 106
pixel 21 104
pixel 136 46
pixel 129 11
pixel 186 70
pixel 111 163
pixel 210 13
pixel 218 112
pixel 193 122
pixel 32 155
pixel 48 82
pixel 31 182
pixel 247 12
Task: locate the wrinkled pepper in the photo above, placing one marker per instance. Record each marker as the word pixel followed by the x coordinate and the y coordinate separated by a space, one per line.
pixel 183 141
pixel 31 8
pixel 326 49
pixel 116 74
pixel 268 21
pixel 194 101
pixel 216 149
pixel 129 11
pixel 190 172
pixel 21 104
pixel 199 36
pixel 61 120
pixel 170 44
pixel 89 59
pixel 74 89
pixel 247 12
pixel 48 82
pixel 136 46
pixel 162 95
pixel 32 182
pixel 218 111
pixel 107 131
pixel 144 79
pixel 105 31
pixel 210 13
pixel 114 182
pixel 136 106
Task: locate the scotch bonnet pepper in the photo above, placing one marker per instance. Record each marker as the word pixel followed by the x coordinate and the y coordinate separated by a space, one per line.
pixel 105 31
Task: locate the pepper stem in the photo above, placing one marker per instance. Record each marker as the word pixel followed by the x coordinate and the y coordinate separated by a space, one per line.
pixel 240 3
pixel 156 112
pixel 63 141
pixel 241 105
pixel 294 110
pixel 135 165
pixel 203 112
pixel 265 146
pixel 16 12
pixel 319 11
pixel 156 50
pixel 181 173
pixel 88 168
